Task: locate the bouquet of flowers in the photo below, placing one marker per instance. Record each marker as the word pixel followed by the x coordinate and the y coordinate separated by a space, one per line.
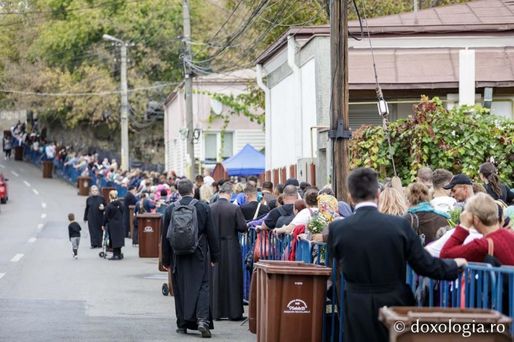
pixel 317 224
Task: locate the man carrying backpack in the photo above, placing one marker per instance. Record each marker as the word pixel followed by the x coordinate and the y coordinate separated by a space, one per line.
pixel 190 247
pixel 283 215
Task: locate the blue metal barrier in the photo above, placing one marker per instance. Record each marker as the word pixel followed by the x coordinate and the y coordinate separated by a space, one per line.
pixel 480 286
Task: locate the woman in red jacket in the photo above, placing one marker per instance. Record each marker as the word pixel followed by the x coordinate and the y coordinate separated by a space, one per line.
pixel 481 212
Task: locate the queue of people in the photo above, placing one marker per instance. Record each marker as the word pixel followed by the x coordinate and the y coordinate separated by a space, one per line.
pixel 383 224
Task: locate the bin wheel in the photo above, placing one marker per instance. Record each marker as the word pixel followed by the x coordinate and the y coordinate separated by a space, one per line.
pixel 101 255
pixel 165 289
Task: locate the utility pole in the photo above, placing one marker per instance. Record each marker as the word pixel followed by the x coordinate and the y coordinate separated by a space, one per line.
pixel 339 122
pixel 125 162
pixel 188 87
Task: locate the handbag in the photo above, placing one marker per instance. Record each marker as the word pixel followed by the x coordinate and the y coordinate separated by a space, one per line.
pixel 490 258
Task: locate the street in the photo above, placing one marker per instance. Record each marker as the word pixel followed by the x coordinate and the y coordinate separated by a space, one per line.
pixel 46 295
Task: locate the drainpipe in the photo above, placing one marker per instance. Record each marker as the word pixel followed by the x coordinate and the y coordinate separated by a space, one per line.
pixel 267 111
pixel 291 61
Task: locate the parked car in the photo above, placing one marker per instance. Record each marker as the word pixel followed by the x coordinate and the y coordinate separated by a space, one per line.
pixel 4 193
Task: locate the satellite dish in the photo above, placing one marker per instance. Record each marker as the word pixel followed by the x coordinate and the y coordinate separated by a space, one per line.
pixel 216 106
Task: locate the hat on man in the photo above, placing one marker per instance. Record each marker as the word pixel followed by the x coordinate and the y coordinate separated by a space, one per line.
pixel 460 179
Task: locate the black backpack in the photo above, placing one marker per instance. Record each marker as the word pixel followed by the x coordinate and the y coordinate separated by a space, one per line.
pixel 284 218
pixel 183 228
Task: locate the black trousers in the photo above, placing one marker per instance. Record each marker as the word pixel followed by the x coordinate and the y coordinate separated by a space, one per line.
pixel 116 251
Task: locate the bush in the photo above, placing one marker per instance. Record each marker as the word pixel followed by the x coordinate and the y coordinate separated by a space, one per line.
pixel 459 140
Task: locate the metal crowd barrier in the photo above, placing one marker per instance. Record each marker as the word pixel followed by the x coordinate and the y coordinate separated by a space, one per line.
pixel 479 286
pixel 69 173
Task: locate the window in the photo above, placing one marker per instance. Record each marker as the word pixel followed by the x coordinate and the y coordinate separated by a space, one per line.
pixel 211 147
pixel 228 145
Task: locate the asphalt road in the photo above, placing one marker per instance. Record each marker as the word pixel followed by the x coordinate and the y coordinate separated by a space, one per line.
pixel 46 295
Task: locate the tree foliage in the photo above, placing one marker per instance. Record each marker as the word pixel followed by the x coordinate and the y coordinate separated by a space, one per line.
pixel 459 140
pixel 56 46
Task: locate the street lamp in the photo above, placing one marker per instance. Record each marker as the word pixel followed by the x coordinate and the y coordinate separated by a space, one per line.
pixel 124 101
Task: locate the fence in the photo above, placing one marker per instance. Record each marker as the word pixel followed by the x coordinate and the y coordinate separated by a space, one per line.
pixel 479 286
pixel 69 173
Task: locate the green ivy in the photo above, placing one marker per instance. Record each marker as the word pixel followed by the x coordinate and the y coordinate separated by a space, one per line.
pixel 459 140
pixel 249 104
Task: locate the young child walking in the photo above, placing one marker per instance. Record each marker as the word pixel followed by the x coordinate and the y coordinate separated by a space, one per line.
pixel 74 233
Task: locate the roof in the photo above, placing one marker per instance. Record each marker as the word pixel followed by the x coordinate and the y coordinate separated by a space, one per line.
pixel 474 16
pixel 480 16
pixel 428 68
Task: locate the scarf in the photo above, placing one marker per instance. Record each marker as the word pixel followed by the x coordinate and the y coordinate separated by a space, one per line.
pixel 426 207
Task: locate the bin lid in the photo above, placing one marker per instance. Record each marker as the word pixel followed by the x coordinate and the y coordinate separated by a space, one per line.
pixel 292 268
pixel 439 314
pixel 149 215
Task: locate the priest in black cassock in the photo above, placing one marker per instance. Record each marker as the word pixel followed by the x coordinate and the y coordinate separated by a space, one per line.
pixel 227 298
pixel 373 250
pixel 94 216
pixel 191 272
pixel 130 199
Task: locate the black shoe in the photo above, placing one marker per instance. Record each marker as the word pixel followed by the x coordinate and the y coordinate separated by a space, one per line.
pixel 204 330
pixel 182 331
pixel 115 257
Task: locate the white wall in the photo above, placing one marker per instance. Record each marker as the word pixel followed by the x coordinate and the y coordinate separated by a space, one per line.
pixel 282 144
pixel 308 101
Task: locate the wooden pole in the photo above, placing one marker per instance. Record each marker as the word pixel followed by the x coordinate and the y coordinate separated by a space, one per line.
pixel 339 122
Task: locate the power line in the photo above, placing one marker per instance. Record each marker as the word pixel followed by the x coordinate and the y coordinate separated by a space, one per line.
pixel 79 94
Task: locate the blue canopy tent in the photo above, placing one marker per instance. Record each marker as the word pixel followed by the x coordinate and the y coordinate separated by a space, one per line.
pixel 247 162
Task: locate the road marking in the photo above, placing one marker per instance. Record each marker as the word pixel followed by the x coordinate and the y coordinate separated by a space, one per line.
pixel 2 275
pixel 14 173
pixel 43 205
pixel 43 216
pixel 17 257
pixel 40 226
pixel 26 183
pixel 35 191
pixel 32 240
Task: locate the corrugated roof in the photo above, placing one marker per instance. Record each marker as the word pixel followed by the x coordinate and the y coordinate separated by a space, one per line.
pixel 476 16
pixel 428 68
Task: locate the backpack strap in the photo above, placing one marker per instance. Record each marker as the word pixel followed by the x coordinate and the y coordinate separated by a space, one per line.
pixel 490 247
pixel 193 202
pixel 257 211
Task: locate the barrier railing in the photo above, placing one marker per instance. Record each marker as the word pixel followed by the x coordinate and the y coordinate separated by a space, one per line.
pixel 69 173
pixel 480 286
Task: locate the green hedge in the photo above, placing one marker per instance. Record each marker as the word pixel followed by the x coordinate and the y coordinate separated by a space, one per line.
pixel 459 140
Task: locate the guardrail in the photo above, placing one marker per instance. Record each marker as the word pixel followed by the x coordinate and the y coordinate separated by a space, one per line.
pixel 479 286
pixel 69 173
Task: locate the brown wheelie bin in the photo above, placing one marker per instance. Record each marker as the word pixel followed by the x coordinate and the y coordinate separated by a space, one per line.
pixel 105 193
pixel 425 324
pixel 149 226
pixel 84 185
pixel 18 153
pixel 48 167
pixel 290 299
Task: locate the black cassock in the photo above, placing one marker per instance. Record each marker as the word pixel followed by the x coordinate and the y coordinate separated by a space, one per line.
pixel 129 200
pixel 113 222
pixel 190 278
pixel 227 298
pixel 373 250
pixel 95 218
